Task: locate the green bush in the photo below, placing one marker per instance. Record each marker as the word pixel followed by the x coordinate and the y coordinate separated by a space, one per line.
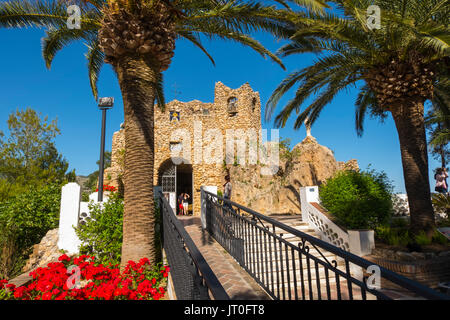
pixel 393 236
pixel 440 238
pixel 102 235
pixel 441 204
pixel 358 200
pixel 396 236
pixel 24 220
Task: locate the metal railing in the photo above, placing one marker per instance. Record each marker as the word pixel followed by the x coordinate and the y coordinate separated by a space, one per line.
pixel 290 264
pixel 191 275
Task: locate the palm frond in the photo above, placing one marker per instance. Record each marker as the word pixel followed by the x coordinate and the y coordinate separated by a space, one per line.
pixel 95 59
pixel 218 31
pixel 26 13
pixel 57 39
pixel 159 90
pixel 196 41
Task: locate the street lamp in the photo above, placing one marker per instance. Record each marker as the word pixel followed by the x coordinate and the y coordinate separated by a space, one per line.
pixel 103 104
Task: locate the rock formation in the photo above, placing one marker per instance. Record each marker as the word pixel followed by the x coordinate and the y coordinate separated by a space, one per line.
pixel 309 164
pixel 44 252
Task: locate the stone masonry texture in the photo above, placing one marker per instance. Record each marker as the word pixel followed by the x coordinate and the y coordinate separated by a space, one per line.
pixel 195 132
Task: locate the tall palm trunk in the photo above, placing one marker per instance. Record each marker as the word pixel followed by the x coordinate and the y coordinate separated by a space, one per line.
pixel 409 120
pixel 137 78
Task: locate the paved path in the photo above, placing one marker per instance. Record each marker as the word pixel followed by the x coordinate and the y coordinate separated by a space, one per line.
pixel 236 282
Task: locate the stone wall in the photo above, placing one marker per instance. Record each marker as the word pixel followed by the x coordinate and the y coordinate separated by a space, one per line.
pixel 113 174
pixel 194 133
pixel 311 165
pixel 44 252
pixel 429 269
pixel 198 122
pixel 196 129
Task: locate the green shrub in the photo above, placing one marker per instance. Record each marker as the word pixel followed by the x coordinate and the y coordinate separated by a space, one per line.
pixel 102 234
pixel 85 196
pixel 393 236
pixel 358 200
pixel 421 239
pixel 24 220
pixel 439 238
pixel 220 194
pixel 441 204
pixel 401 236
pixel 399 223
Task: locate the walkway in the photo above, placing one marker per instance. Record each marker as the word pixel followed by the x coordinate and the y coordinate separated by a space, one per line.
pixel 236 282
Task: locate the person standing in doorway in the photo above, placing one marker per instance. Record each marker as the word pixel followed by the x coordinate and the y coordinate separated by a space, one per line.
pixel 186 197
pixel 180 204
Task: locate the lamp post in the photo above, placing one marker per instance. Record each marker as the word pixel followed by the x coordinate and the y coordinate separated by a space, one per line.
pixel 103 104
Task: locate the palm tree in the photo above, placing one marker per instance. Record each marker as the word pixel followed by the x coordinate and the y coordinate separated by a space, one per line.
pixel 137 37
pixel 438 125
pixel 437 121
pixel 393 66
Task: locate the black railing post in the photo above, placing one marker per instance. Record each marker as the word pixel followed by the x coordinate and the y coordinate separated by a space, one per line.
pixel 191 275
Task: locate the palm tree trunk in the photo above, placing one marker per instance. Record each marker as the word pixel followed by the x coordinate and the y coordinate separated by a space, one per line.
pixel 137 78
pixel 409 120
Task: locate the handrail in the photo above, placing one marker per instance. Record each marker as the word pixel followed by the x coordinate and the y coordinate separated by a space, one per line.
pixel 208 275
pixel 393 277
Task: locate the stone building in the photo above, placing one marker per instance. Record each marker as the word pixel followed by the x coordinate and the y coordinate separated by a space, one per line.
pixel 191 141
pixel 197 144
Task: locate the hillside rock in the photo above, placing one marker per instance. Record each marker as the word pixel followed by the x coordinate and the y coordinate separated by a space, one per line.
pixel 44 252
pixel 309 164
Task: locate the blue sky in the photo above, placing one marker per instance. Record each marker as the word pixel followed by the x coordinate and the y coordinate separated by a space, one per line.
pixel 64 93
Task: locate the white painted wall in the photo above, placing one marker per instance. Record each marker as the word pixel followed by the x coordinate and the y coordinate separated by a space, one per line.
pixel 212 189
pixel 68 218
pixel 72 208
pixel 359 242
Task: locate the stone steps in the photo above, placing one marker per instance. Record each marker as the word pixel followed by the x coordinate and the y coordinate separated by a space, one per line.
pixel 273 255
pixel 285 275
pixel 312 293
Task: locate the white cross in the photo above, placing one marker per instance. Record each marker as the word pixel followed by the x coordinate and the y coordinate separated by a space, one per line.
pixel 308 128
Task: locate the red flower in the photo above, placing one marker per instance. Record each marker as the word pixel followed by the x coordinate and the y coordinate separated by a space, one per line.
pixel 136 282
pixel 47 296
pixel 11 286
pixel 64 257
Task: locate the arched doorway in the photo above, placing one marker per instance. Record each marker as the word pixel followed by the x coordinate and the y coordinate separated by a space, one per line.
pixel 175 180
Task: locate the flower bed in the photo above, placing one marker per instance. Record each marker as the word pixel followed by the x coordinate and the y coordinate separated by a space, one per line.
pixel 81 278
pixel 107 188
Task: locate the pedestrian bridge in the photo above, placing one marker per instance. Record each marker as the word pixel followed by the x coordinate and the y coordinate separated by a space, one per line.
pixel 235 253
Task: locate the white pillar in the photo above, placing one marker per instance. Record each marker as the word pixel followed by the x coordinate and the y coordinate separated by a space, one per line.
pixel 308 194
pixel 94 197
pixel 212 189
pixel 361 242
pixel 68 218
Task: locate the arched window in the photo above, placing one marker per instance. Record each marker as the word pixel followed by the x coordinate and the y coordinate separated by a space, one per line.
pixel 232 105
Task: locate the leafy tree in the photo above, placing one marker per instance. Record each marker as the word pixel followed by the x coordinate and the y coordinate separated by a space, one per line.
pixel 359 200
pixel 137 37
pixel 29 156
pixel 437 124
pixel 437 120
pixel 395 67
pixel 92 182
pixel 102 234
pixel 24 220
